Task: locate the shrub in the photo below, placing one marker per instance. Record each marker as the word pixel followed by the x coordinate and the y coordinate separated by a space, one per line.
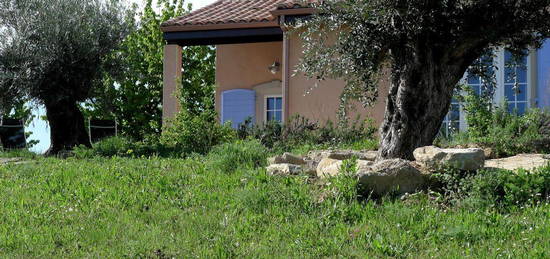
pixel 491 187
pixel 301 131
pixel 189 133
pixel 479 112
pixel 22 153
pixel 506 133
pixel 228 157
pixel 124 147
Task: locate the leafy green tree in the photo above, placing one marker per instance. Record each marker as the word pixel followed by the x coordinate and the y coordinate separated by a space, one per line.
pixel 195 128
pixel 425 46
pixel 54 52
pixel 134 95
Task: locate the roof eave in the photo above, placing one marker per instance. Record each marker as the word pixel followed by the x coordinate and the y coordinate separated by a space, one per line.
pixel 219 26
pixel 294 11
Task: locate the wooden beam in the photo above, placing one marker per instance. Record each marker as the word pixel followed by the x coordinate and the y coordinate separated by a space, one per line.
pixel 218 37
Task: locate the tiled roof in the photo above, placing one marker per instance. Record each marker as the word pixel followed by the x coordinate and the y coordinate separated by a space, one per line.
pixel 236 12
pixel 296 4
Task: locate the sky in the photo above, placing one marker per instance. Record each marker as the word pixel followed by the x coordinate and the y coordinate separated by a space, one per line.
pixel 40 129
pixel 200 3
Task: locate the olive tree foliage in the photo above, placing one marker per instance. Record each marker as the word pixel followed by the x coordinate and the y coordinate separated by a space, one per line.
pixel 53 52
pixel 422 47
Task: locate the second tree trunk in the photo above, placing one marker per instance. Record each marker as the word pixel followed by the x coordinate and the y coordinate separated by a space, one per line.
pixel 67 126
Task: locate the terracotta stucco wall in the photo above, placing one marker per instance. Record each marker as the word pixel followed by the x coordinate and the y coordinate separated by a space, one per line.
pixel 321 102
pixel 244 66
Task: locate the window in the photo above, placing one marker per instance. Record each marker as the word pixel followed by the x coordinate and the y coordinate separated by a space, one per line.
pixel 451 123
pixel 274 108
pixel 512 85
pixel 454 121
pixel 483 85
pixel 515 83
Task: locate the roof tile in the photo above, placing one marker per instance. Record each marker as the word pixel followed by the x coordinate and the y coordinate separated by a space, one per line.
pixel 236 11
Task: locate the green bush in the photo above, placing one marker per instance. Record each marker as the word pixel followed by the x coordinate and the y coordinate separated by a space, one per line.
pixel 198 132
pixel 242 153
pixel 479 113
pixel 124 147
pixel 22 153
pixel 189 133
pixel 301 131
pixel 502 189
pixel 506 133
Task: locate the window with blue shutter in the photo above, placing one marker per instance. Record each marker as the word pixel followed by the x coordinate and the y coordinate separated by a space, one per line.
pixel 238 105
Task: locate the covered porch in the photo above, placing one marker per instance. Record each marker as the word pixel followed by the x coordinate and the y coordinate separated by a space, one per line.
pixel 252 57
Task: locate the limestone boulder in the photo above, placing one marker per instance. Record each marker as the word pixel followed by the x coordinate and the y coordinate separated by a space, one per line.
pixel 286 158
pixel 329 167
pixel 489 153
pixel 396 176
pixel 523 161
pixel 310 168
pixel 317 155
pixel 284 169
pixel 363 165
pixel 342 155
pixel 369 155
pixel 10 160
pixel 463 159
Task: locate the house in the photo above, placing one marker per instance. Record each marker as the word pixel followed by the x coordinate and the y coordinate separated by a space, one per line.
pixel 256 59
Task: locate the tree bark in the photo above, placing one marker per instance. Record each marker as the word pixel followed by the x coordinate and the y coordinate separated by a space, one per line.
pixel 419 98
pixel 67 126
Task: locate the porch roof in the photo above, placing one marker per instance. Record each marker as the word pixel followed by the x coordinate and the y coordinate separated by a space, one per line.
pixel 233 21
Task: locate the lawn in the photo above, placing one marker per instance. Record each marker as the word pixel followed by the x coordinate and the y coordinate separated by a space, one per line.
pixel 214 206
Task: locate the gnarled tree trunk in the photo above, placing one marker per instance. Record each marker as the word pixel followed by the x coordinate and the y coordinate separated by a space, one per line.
pixel 67 126
pixel 419 98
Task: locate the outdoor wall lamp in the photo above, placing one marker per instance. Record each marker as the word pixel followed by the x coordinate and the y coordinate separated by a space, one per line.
pixel 275 68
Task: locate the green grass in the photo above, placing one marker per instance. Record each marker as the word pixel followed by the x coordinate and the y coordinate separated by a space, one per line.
pixel 20 153
pixel 212 207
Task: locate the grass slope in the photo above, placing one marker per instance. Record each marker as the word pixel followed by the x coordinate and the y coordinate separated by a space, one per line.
pixel 209 207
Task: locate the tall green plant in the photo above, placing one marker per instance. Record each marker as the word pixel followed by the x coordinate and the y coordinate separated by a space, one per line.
pixel 479 112
pixel 133 96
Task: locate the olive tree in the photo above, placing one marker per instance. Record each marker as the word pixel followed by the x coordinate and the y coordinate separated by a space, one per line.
pixel 53 52
pixel 424 47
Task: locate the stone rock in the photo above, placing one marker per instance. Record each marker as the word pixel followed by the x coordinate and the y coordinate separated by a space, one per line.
pixel 317 155
pixel 369 155
pixel 328 167
pixel 396 176
pixel 310 167
pixel 463 159
pixel 342 155
pixel 284 169
pixel 523 161
pixel 10 160
pixel 349 154
pixel 286 158
pixel 489 153
pixel 14 161
pixel 363 165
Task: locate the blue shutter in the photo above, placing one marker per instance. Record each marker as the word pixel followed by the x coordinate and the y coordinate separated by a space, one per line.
pixel 238 105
